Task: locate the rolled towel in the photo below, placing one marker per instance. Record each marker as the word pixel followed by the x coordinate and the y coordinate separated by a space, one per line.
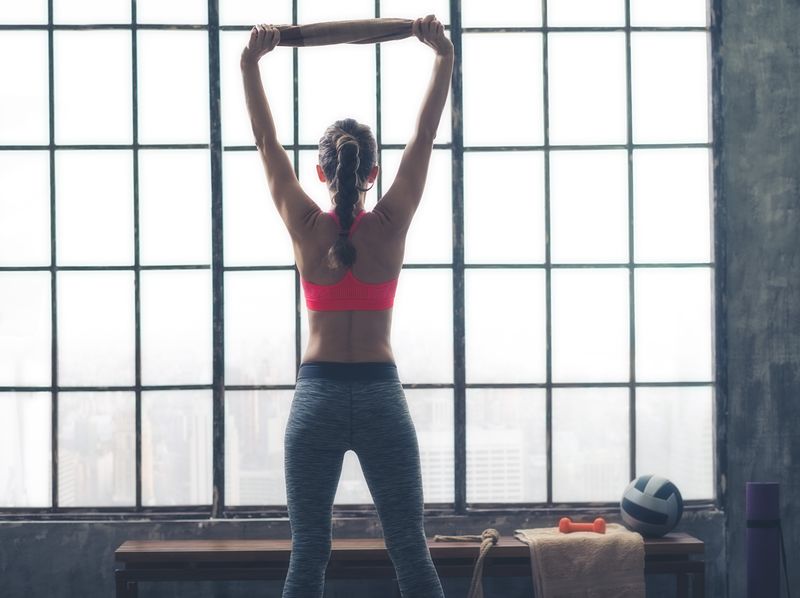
pixel 586 564
pixel 356 31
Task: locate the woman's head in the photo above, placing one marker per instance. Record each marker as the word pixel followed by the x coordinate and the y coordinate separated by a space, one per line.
pixel 347 155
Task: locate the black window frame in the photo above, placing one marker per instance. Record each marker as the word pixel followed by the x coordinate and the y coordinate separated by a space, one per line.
pixel 218 508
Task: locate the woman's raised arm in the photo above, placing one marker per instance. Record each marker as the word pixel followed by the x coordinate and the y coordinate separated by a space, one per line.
pixel 294 206
pixel 400 201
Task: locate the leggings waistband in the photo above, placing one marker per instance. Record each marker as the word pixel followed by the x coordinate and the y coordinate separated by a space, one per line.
pixel 349 371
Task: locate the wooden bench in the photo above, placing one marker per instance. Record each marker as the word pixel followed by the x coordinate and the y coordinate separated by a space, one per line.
pixel 677 554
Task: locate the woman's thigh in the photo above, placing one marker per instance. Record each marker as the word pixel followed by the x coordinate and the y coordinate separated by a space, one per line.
pixel 385 440
pixel 317 436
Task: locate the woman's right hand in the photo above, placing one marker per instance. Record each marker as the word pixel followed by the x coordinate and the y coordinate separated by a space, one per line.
pixel 431 33
pixel 263 39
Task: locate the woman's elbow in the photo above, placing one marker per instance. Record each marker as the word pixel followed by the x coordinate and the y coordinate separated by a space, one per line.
pixel 264 141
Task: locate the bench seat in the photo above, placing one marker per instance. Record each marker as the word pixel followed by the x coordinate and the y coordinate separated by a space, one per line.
pixel 676 554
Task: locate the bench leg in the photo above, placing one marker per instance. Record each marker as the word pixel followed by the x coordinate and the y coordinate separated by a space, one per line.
pixel 683 585
pixel 124 587
pixel 699 585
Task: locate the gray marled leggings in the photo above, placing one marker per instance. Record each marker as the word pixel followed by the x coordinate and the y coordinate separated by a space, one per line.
pixel 360 407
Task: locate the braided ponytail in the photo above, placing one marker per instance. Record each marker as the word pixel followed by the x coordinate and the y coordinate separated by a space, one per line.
pixel 347 154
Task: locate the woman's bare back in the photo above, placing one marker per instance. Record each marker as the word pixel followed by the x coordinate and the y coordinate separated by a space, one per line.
pixel 351 335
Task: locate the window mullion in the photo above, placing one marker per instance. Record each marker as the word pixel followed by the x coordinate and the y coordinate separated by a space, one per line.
pixel 631 268
pixel 136 264
pixel 53 287
pixel 459 350
pixel 547 265
pixel 218 338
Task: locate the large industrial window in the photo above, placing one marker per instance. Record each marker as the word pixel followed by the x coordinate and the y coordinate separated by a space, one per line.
pixel 555 317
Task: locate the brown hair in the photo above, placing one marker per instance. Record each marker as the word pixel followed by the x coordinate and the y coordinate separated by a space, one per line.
pixel 347 153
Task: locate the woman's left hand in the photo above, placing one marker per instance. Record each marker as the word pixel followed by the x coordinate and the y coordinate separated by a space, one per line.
pixel 263 39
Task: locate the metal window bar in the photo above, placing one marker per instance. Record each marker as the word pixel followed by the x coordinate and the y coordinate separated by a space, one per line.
pixel 631 268
pixel 137 270
pixel 719 339
pixel 218 508
pixel 458 272
pixel 548 307
pixel 218 277
pixel 53 278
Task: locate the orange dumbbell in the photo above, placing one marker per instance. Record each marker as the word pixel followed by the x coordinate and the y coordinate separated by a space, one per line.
pixel 566 525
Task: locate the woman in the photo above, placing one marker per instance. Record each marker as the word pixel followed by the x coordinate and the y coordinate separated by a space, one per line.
pixel 348 395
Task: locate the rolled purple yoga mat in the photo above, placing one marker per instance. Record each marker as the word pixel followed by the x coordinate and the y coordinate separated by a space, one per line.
pixel 763 540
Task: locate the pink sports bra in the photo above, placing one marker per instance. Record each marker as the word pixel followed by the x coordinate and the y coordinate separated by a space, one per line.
pixel 349 292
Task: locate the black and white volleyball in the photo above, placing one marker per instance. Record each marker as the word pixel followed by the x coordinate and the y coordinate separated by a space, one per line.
pixel 651 505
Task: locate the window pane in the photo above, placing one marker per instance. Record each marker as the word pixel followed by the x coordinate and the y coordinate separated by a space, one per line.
pixel 681 13
pixel 95 328
pixel 405 73
pixel 669 74
pixel 352 488
pixel 24 208
pixel 673 324
pixel 494 85
pixel 173 86
pixel 260 328
pixel 176 327
pixel 675 437
pixel 581 66
pixel 91 11
pixel 505 325
pixel 96 449
pixel 250 12
pixel 501 13
pixel 430 237
pixel 313 11
pixel 254 232
pixel 175 11
pixel 94 207
pixel 348 93
pixel 25 449
pixel 255 424
pixel 92 86
pixel 589 206
pixel 25 329
pixel 585 13
pixel 176 447
pixel 412 9
pixel 672 200
pixel 31 12
pixel 432 412
pixel 590 444
pixel 24 116
pixel 498 185
pixel 506 450
pixel 277 74
pixel 590 311
pixel 174 207
pixel 423 313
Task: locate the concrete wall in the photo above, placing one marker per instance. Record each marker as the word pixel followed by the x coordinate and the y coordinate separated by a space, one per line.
pixel 761 179
pixel 758 429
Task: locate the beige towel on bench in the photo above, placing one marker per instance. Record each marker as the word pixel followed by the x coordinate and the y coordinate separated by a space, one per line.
pixel 586 564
